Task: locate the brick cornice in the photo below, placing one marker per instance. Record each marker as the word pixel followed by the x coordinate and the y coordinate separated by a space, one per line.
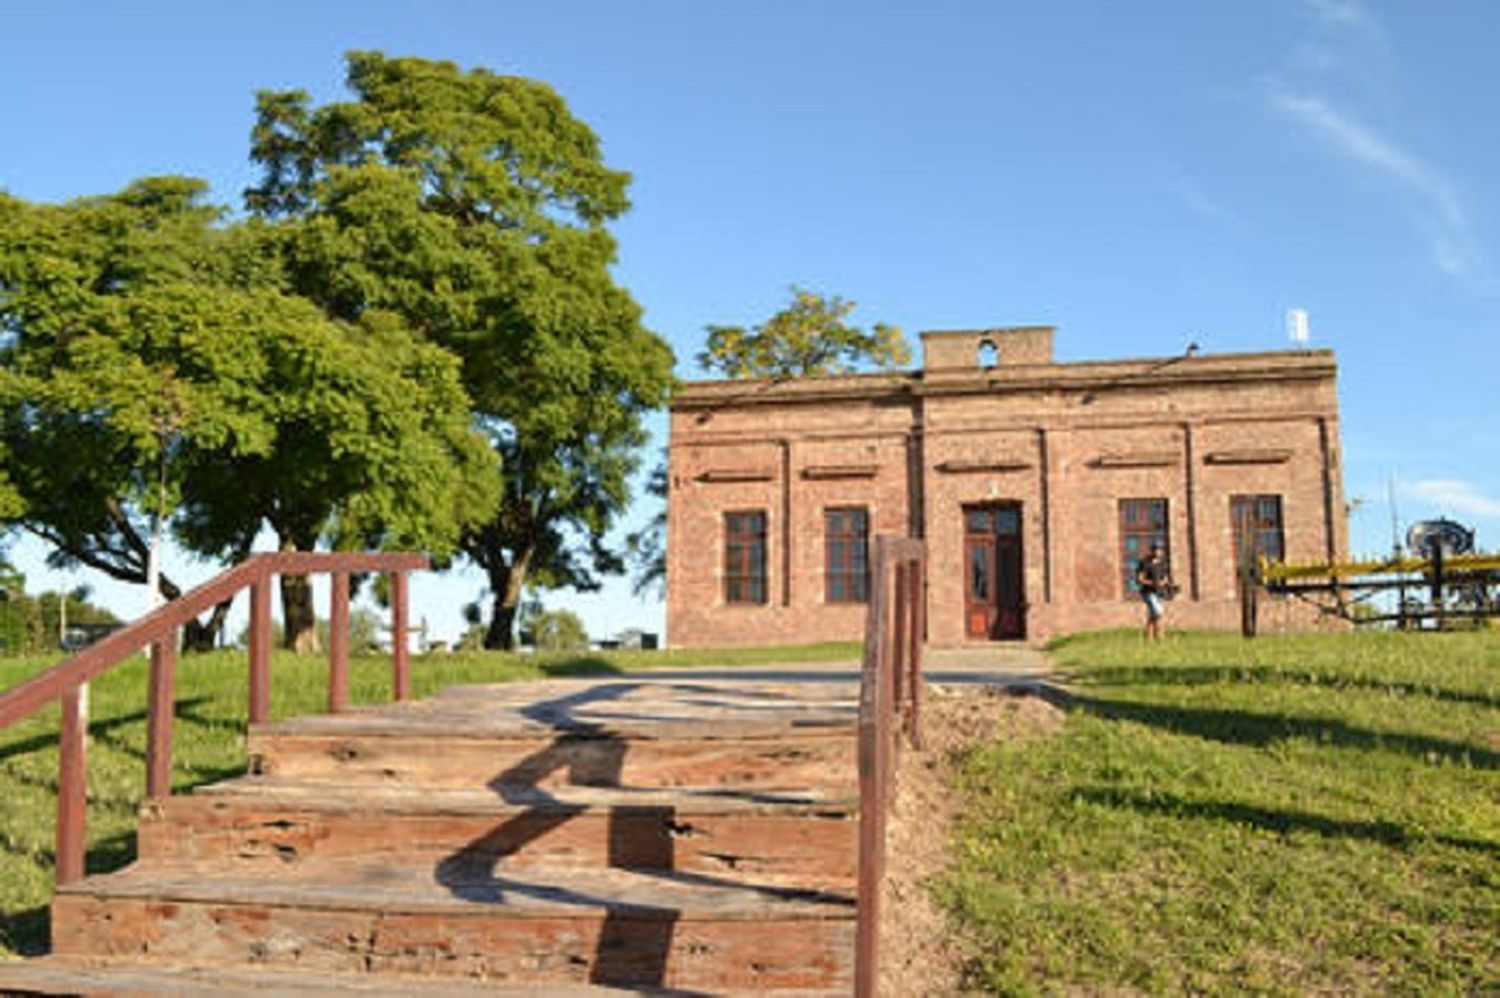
pixel 1084 377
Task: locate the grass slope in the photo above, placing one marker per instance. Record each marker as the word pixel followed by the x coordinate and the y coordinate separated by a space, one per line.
pixel 1290 814
pixel 208 742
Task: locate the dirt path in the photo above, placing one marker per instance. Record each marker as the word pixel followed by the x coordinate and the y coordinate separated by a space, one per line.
pixel 919 955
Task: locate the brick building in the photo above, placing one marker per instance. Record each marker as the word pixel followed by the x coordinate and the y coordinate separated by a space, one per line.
pixel 1034 483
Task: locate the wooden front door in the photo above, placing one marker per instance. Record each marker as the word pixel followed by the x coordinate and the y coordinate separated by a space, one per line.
pixel 994 589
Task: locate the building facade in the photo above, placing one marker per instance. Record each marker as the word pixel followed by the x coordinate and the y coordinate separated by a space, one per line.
pixel 1035 485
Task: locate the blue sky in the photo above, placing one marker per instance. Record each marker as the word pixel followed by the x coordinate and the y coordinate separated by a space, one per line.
pixel 1140 175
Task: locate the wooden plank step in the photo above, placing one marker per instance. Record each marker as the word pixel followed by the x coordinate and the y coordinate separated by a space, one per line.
pixel 736 834
pixel 767 763
pixel 635 707
pixel 504 797
pixel 544 927
pixel 630 732
pixel 123 977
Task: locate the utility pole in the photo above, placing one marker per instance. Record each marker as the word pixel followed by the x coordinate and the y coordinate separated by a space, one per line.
pixel 153 555
pixel 1390 490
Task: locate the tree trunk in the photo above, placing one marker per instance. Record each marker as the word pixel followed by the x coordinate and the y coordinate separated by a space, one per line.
pixel 506 582
pixel 299 619
pixel 200 637
pixel 501 633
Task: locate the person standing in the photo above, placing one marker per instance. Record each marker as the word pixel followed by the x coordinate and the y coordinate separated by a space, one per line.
pixel 1154 582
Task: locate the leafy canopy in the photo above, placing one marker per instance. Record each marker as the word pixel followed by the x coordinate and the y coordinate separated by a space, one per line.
pixel 148 347
pixel 473 205
pixel 808 337
pixel 559 630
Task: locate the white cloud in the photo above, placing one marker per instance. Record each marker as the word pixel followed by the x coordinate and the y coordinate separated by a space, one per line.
pixel 1440 214
pixel 1452 495
pixel 1206 206
pixel 1311 58
pixel 1343 13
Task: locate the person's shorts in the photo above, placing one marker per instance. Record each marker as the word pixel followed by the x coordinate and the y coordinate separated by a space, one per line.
pixel 1154 605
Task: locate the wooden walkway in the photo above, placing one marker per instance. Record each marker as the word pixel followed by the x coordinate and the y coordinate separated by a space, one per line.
pixel 684 832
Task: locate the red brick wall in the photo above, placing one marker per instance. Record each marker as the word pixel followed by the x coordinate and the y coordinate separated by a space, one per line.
pixel 820 456
pixel 1067 442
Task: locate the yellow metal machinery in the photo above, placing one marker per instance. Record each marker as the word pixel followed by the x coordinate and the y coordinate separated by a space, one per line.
pixel 1285 572
pixel 1436 591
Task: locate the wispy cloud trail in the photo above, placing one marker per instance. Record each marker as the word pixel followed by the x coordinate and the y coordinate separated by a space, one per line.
pixel 1345 13
pixel 1347 51
pixel 1441 213
pixel 1453 495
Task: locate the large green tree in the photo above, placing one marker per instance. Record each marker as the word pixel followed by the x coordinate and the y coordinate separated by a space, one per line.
pixel 474 205
pixel 809 337
pixel 154 364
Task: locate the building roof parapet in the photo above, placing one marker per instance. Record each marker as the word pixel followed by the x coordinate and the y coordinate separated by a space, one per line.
pixel 987 348
pixel 1082 376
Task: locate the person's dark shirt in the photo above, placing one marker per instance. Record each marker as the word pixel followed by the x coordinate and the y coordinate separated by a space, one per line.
pixel 1151 576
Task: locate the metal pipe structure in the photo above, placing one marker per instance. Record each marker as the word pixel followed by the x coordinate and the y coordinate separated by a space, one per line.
pixel 1459 587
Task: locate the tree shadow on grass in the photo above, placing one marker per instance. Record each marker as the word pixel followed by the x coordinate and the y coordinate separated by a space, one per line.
pixel 102 729
pixel 26 932
pixel 1283 822
pixel 106 855
pixel 1240 727
pixel 579 665
pixel 1208 675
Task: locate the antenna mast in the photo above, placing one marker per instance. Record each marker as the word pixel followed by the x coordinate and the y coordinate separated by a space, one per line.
pixel 1390 491
pixel 1296 326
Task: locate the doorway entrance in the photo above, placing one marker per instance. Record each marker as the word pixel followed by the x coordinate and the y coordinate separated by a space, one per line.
pixel 994 586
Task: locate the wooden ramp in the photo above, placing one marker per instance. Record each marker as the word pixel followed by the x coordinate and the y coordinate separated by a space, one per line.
pixel 679 835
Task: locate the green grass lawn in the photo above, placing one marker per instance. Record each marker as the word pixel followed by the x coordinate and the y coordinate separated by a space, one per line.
pixel 209 742
pixel 1292 814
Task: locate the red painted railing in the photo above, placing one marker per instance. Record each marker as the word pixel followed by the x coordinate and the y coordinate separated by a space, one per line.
pixel 890 698
pixel 159 630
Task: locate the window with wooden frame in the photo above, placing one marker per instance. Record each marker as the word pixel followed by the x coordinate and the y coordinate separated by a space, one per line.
pixel 1143 522
pixel 846 562
pixel 745 557
pixel 1257 518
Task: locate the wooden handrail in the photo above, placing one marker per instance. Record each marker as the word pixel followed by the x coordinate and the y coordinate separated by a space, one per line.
pixel 23 700
pixel 159 630
pixel 889 704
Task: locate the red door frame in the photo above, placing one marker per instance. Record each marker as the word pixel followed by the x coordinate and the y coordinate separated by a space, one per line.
pixel 993 611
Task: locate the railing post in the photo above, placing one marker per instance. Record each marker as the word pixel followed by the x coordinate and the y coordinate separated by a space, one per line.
pixel 260 649
pixel 160 707
pixel 875 694
pixel 338 643
pixel 400 666
pixel 898 642
pixel 916 605
pixel 72 788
